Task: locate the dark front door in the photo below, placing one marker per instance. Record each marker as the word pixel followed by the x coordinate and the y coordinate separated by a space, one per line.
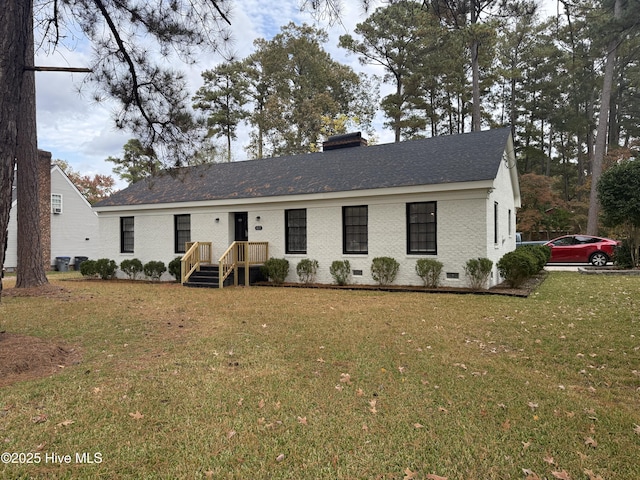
pixel 241 227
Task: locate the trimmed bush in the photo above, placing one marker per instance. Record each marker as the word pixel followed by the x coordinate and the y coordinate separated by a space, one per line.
pixel 175 268
pixel 384 270
pixel 88 268
pixel 105 268
pixel 478 271
pixel 276 269
pixel 131 267
pixel 306 270
pixel 517 266
pixel 154 269
pixel 429 271
pixel 541 253
pixel 340 270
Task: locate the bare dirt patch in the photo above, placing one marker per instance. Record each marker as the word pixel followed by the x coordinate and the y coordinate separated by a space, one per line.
pixel 23 357
pixel 47 290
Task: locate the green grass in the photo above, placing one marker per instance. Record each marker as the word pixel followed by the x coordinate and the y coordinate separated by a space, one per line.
pixel 342 384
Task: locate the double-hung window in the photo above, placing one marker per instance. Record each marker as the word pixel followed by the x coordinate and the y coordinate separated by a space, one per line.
pixel 421 228
pixel 182 232
pixel 355 238
pixel 296 230
pixel 126 234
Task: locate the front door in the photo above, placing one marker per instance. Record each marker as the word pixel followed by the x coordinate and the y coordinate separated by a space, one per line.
pixel 241 226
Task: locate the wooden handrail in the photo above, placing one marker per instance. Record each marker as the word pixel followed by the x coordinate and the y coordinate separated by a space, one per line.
pixel 241 254
pixel 197 253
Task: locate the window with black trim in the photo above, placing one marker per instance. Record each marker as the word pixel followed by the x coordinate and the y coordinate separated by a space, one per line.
pixel 182 232
pixel 296 230
pixel 126 234
pixel 421 228
pixel 355 238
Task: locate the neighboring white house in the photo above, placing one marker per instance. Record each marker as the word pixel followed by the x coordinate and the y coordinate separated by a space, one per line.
pixel 73 223
pixel 449 198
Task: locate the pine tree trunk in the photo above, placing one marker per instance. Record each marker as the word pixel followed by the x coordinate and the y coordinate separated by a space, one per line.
pixel 601 135
pixel 12 48
pixel 31 271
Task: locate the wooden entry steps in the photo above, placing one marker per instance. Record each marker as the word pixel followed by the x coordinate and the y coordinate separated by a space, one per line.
pixel 209 277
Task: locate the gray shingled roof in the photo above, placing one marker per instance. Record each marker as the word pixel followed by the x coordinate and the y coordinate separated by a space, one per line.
pixel 447 159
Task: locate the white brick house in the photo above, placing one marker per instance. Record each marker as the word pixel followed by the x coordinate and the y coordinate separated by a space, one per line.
pixel 450 198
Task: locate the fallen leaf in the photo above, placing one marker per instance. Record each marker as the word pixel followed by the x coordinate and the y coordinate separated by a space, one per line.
pixel 97 390
pixel 280 457
pixel 591 475
pixel 261 403
pixel 409 475
pixel 359 392
pixel 532 405
pixel 209 473
pixel 345 378
pixel 526 445
pixel 401 369
pixel 40 418
pixel 549 459
pixel 530 474
pixel 443 410
pixel 240 402
pixel 66 423
pixel 372 404
pixel 365 428
pixel 231 434
pixel 433 476
pixel 417 425
pixel 563 475
pixel 302 420
pixel 136 416
pixel 506 425
pixel 40 447
pixel 636 429
pixel 590 442
pixel 320 360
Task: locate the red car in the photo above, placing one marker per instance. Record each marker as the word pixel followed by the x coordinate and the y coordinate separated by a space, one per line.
pixel 582 248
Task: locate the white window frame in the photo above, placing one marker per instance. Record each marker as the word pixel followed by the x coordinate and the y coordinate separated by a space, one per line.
pixel 56 208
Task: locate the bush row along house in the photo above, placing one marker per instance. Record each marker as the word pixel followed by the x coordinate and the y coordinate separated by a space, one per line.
pixel 450 198
pixel 68 224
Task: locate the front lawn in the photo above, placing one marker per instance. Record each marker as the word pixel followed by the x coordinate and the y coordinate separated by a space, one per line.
pixel 271 383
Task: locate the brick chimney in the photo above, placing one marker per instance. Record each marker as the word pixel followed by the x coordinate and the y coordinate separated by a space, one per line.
pixel 44 186
pixel 344 141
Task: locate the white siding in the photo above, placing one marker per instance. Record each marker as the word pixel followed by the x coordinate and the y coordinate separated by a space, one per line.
pixel 74 231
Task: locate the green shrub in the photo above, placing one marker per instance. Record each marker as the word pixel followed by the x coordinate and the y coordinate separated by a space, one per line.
pixel 517 266
pixel 88 268
pixel 154 269
pixel 478 271
pixel 131 267
pixel 276 269
pixel 541 253
pixel 105 268
pixel 340 270
pixel 175 268
pixel 306 270
pixel 384 270
pixel 622 255
pixel 429 271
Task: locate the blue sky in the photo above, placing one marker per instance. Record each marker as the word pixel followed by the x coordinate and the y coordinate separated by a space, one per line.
pixel 76 129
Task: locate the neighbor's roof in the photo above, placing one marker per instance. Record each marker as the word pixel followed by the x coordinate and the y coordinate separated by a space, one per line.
pixel 467 157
